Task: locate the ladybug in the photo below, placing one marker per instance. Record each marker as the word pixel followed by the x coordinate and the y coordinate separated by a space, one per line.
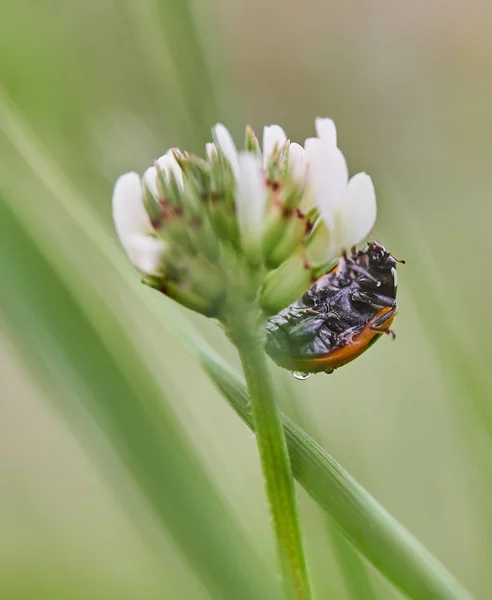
pixel 339 317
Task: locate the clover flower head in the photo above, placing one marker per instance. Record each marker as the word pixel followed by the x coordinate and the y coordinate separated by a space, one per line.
pixel 265 219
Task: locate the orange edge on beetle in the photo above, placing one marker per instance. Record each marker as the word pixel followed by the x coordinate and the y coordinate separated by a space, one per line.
pixel 341 356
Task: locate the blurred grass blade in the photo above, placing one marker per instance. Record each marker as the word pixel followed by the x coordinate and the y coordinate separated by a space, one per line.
pixel 353 570
pixel 355 575
pixel 181 37
pixel 168 39
pixel 144 25
pixel 57 337
pixel 448 336
pixel 372 530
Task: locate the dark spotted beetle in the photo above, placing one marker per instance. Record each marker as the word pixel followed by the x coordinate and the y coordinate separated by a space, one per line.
pixel 339 317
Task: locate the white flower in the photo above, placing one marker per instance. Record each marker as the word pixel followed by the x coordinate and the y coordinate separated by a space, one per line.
pixel 133 225
pixel 274 140
pixel 251 190
pixel 298 162
pixel 292 207
pixel 210 151
pixel 224 141
pixel 326 130
pixel 356 213
pixel 167 164
pixel 327 175
pixel 347 207
pixel 251 198
pixel 150 180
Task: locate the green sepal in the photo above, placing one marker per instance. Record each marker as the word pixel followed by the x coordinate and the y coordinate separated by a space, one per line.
pixel 285 284
pixel 289 242
pixel 251 143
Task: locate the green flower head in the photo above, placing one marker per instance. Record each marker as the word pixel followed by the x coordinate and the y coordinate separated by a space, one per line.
pixel 260 221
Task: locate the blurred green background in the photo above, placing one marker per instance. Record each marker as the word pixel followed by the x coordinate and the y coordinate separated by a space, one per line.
pixel 93 89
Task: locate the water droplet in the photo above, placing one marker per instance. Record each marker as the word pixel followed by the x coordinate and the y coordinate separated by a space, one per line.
pixel 301 375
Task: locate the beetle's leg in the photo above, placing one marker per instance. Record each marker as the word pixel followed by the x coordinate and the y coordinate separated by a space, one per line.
pixel 382 330
pixel 358 296
pixel 384 302
pixel 377 324
pixel 304 311
pixel 334 322
pixel 375 301
pixel 365 276
pixel 368 283
pixel 379 320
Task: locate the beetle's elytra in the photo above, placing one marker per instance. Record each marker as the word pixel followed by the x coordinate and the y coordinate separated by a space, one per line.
pixel 339 317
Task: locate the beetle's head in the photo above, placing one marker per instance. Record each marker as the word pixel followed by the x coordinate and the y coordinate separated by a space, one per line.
pixel 379 258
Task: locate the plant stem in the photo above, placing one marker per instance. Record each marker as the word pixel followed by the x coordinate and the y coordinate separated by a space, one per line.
pixel 274 456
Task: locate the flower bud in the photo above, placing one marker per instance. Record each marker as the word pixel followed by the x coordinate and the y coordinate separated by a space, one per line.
pixel 186 297
pixel 251 142
pixel 284 220
pixel 282 286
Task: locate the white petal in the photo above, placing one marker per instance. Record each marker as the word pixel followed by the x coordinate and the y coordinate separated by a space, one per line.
pixel 150 180
pixel 210 150
pixel 328 176
pixel 133 224
pixel 326 130
pixel 129 214
pixel 145 253
pixel 298 161
pixel 224 141
pixel 251 198
pixel 320 244
pixel 273 137
pixel 357 211
pixel 311 143
pixel 169 164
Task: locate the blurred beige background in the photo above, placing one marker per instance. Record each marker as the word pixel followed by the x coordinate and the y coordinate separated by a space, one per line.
pixel 108 86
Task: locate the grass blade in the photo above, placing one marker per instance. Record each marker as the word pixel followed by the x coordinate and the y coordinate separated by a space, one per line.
pixel 355 575
pixel 353 570
pixel 61 340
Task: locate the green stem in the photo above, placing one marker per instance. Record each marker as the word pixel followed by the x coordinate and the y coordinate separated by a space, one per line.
pixel 274 456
